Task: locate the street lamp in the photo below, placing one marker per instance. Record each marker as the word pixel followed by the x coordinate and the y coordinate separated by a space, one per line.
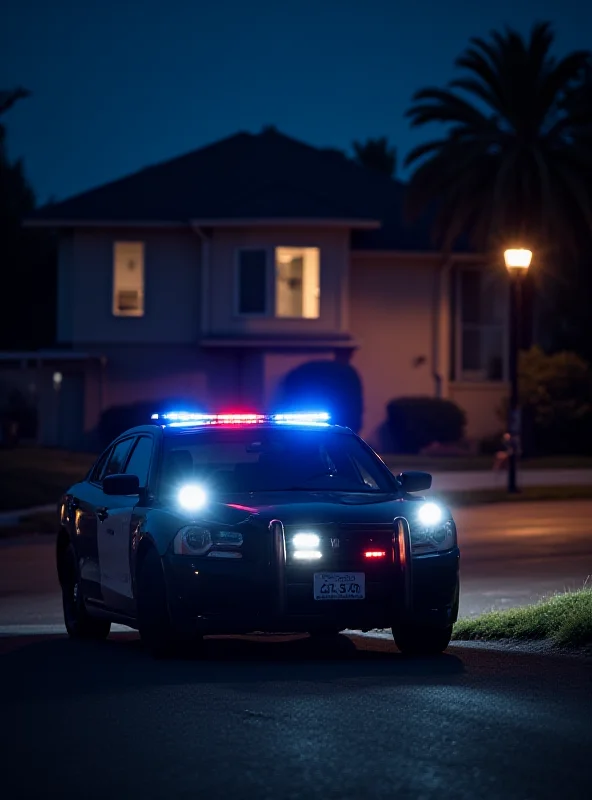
pixel 517 264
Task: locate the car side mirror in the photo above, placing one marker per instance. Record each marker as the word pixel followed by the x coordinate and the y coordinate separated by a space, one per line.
pixel 415 481
pixel 121 485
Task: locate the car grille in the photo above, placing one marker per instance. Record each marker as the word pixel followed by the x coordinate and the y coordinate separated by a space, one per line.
pixel 343 547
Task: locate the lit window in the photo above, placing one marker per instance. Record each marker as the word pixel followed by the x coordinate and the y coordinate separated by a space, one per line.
pixel 481 300
pixel 128 279
pixel 297 282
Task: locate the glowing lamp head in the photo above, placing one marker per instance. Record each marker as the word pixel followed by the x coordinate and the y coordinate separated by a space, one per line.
pixel 192 497
pixel 430 514
pixel 518 260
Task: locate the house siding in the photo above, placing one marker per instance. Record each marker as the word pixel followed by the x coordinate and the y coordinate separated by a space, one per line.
pixel 392 316
pixel 172 288
pixel 221 281
pixel 482 403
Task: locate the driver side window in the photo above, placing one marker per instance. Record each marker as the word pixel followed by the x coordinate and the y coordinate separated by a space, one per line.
pixel 96 473
pixel 139 461
pixel 117 458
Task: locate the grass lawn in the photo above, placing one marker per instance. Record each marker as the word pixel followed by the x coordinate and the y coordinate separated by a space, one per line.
pixel 36 476
pixel 565 619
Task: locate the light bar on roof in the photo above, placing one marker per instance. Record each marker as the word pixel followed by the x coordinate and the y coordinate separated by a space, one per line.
pixel 302 418
pixel 179 419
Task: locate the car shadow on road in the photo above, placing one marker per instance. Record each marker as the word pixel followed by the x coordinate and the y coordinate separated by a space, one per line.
pixel 56 665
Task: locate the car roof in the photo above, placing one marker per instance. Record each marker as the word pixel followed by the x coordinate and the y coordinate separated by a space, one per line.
pixel 170 431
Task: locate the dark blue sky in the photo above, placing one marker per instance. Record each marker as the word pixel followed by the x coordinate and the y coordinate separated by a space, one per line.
pixel 118 85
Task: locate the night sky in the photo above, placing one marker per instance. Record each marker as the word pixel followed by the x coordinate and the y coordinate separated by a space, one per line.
pixel 120 85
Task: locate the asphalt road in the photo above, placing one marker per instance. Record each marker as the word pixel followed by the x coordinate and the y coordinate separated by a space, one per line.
pixel 291 718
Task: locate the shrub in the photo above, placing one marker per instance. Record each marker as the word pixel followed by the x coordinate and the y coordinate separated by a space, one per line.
pixel 117 419
pixel 415 422
pixel 325 386
pixel 556 401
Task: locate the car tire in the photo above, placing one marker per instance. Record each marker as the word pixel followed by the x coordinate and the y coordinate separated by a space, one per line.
pixel 422 640
pixel 79 623
pixel 156 629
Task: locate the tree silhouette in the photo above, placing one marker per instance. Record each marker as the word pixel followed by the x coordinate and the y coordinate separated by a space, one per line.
pixel 376 154
pixel 514 163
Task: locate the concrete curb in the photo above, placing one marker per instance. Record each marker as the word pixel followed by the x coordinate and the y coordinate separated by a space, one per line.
pixel 537 647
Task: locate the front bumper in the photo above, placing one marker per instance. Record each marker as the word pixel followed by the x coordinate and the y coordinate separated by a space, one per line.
pixel 211 596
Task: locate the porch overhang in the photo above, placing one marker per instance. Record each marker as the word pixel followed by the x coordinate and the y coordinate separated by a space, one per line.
pixel 279 343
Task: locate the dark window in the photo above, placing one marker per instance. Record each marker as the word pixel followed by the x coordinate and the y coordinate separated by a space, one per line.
pixel 273 460
pixel 139 461
pixel 117 458
pixel 252 282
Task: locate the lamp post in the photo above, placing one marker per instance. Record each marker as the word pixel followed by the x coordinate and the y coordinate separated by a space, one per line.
pixel 517 264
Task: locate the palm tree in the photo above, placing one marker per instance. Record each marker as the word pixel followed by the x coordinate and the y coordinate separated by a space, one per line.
pixel 377 155
pixel 515 162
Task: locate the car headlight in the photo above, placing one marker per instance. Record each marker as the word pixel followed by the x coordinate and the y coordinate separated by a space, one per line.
pixel 196 541
pixel 192 497
pixel 432 529
pixel 429 514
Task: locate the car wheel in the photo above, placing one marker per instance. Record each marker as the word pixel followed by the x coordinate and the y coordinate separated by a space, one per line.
pixel 79 623
pixel 425 640
pixel 154 622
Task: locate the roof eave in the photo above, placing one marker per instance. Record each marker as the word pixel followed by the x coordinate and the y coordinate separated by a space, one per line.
pixel 106 223
pixel 289 222
pixel 418 255
pixel 230 222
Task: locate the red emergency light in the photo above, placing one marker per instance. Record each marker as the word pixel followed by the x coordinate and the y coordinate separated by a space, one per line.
pixel 375 554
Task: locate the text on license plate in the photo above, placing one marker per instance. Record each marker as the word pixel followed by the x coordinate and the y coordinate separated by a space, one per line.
pixel 339 586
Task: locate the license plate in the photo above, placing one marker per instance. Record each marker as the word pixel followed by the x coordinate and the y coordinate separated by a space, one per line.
pixel 339 586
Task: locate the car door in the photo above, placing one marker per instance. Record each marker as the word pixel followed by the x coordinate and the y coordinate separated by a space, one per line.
pixel 111 513
pixel 115 528
pixel 86 497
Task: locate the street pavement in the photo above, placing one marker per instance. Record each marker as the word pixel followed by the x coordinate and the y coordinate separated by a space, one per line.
pixel 288 717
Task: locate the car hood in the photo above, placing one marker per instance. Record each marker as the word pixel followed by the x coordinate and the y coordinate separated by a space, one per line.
pixel 314 507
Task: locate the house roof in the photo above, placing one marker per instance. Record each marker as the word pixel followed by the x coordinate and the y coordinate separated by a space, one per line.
pixel 252 177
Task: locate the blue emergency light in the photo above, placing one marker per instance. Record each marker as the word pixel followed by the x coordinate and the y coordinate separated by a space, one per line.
pixel 178 419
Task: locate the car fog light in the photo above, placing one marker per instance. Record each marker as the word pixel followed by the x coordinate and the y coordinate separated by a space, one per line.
pixel 306 541
pixel 308 555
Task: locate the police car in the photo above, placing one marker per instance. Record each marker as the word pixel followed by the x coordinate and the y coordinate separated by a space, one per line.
pixel 199 525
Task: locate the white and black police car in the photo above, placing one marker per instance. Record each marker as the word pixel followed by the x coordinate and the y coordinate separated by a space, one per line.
pixel 201 524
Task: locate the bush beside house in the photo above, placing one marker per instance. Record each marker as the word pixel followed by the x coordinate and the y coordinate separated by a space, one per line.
pixel 415 423
pixel 325 386
pixel 556 401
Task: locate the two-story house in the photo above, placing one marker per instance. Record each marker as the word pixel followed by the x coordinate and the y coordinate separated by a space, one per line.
pixel 214 274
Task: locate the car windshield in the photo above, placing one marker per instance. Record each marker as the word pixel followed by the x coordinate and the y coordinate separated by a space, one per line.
pixel 247 460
